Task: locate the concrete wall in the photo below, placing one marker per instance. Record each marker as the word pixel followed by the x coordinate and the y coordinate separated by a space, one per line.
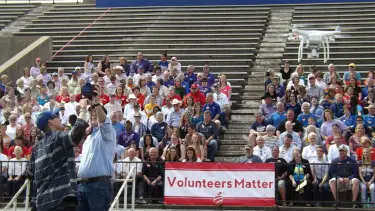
pixel 10 45
pixel 140 3
pixel 13 67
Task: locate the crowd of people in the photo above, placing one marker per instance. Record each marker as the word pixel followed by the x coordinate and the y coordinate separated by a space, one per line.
pixel 159 113
pixel 319 129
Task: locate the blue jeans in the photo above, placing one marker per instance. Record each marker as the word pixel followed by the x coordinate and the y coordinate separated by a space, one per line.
pixel 95 196
pixel 321 194
pixel 212 149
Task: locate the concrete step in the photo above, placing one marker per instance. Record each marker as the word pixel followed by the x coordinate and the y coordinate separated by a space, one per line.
pixel 235 154
pixel 226 159
pixel 270 49
pixel 276 39
pixel 195 62
pixel 241 142
pixel 271 55
pixel 231 148
pixel 238 126
pixel 243 118
pixel 245 111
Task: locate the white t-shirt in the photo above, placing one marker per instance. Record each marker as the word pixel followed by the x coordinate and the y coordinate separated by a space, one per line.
pixel 287 154
pixel 17 167
pixel 263 153
pixel 128 164
pixel 11 131
pixel 309 153
pixel 27 81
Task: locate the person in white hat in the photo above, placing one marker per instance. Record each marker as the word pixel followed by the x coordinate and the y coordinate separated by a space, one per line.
pixel 174 64
pixel 132 99
pixel 174 116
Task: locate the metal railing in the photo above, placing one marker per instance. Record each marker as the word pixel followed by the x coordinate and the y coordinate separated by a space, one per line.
pixel 131 177
pixel 15 197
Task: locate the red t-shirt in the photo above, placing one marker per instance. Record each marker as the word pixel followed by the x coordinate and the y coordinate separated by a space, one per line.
pixel 121 100
pixel 60 98
pixel 359 153
pixel 25 152
pixel 104 99
pixel 141 99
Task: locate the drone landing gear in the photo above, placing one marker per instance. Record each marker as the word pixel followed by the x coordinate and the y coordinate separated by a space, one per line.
pixel 314 54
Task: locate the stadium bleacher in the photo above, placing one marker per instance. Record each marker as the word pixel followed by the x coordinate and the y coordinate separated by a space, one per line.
pixel 10 12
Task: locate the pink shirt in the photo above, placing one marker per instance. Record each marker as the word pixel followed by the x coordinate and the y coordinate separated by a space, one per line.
pixel 226 90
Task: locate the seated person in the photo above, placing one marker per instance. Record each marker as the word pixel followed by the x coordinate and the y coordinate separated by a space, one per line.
pixel 344 176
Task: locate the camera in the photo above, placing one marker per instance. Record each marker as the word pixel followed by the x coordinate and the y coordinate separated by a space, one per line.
pixel 87 91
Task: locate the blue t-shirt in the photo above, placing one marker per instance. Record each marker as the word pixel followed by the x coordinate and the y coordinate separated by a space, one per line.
pixel 119 128
pixel 190 79
pixel 276 118
pixel 259 127
pixel 214 108
pixel 205 90
pixel 42 99
pixel 369 121
pixel 296 108
pixel 196 120
pixel 305 117
pixel 163 65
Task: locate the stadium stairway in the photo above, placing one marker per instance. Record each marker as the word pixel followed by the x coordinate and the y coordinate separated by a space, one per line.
pixel 10 12
pixel 269 56
pixel 228 38
pixel 356 43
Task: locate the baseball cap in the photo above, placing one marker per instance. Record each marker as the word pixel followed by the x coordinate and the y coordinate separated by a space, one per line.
pixel 342 147
pixel 55 74
pixel 42 119
pixel 140 67
pixel 194 86
pixel 215 85
pixel 266 95
pixel 311 76
pixel 38 60
pixel 174 58
pixel 351 65
pixel 248 147
pixel 77 69
pixel 74 72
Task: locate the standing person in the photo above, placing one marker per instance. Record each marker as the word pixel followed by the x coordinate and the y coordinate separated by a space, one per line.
pixel 96 168
pixel 52 164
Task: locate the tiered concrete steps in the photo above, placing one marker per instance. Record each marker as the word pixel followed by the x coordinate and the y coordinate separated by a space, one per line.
pixel 10 12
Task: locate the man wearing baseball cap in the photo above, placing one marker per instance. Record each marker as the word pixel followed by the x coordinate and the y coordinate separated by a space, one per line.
pixel 249 156
pixel 343 175
pixel 52 164
pixel 352 70
pixel 197 95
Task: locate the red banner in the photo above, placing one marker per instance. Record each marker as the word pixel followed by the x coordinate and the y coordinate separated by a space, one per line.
pixel 213 184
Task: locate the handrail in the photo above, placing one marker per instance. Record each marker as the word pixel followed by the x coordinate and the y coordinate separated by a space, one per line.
pixel 124 188
pixel 15 197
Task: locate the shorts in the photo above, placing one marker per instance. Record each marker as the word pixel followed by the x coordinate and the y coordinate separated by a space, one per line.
pixel 281 184
pixel 343 187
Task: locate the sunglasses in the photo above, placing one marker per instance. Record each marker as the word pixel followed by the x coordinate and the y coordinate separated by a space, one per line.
pixel 27 117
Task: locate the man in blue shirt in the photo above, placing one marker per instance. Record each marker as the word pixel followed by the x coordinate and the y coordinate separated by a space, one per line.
pixel 163 64
pixel 119 128
pixel 208 75
pixel 96 168
pixel 217 115
pixel 140 61
pixel 369 119
pixel 305 115
pixel 277 116
pixel 338 106
pixel 190 76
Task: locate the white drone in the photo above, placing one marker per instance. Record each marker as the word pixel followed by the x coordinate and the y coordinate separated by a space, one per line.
pixel 314 39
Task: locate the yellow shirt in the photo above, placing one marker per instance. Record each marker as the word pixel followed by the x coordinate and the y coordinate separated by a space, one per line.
pixel 148 109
